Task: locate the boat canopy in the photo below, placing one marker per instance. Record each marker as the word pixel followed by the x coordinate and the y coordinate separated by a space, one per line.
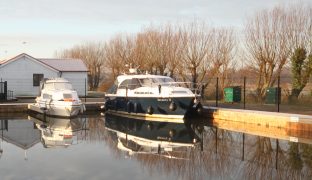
pixel 57 84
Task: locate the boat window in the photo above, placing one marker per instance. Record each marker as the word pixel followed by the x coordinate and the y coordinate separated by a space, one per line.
pixel 113 88
pixel 62 86
pixel 58 85
pixel 46 133
pixel 149 81
pixel 46 96
pixel 124 84
pixel 165 81
pixel 134 83
pixel 67 96
pixel 145 81
pixel 48 86
pixel 130 84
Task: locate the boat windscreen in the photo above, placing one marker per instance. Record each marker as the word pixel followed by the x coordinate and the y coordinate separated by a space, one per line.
pixel 159 80
pixel 145 81
pixel 67 96
pixel 164 80
pixel 57 85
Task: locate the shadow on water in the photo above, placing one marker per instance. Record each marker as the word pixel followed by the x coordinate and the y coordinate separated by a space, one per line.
pixel 195 149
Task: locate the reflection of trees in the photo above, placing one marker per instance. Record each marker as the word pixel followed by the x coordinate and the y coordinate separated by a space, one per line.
pixel 262 159
pixel 217 151
pixel 299 158
pixel 267 159
pixel 96 129
pixel 295 159
pixel 186 167
pixel 96 132
pixel 307 155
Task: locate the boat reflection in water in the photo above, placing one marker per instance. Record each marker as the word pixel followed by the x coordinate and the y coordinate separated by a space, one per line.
pixel 56 132
pixel 219 152
pixel 135 136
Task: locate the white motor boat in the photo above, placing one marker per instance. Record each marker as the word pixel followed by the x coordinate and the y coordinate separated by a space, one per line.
pixel 148 95
pixel 57 99
pixel 55 131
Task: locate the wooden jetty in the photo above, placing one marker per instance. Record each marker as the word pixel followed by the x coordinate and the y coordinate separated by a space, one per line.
pixel 291 122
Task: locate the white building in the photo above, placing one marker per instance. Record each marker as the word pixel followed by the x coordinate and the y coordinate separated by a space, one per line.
pixel 24 72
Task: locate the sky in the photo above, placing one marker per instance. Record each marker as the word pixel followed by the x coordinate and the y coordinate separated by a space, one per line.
pixel 42 27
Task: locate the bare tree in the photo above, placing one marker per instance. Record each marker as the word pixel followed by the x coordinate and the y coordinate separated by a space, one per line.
pixel 158 49
pixel 272 36
pixel 119 53
pixel 189 51
pixel 222 54
pixel 196 38
pixel 92 54
pixel 267 45
pixel 299 18
pixel 173 48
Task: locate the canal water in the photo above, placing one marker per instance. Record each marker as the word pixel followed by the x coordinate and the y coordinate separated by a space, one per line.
pixel 111 147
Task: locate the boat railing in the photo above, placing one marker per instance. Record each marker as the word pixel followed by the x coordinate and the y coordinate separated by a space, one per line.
pixel 196 88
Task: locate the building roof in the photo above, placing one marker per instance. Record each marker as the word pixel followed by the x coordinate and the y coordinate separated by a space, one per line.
pixel 21 133
pixel 66 65
pixel 62 65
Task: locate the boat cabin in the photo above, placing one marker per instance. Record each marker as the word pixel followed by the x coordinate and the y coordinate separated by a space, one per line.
pixel 58 89
pixel 143 81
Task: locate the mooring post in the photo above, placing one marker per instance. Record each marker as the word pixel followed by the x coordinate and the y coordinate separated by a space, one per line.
pixel 217 91
pixel 159 149
pixel 244 92
pixel 278 93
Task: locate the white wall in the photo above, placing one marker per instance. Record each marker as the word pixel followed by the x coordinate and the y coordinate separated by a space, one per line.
pixel 19 75
pixel 77 79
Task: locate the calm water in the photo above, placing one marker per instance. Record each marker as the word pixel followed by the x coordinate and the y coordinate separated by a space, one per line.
pixel 99 147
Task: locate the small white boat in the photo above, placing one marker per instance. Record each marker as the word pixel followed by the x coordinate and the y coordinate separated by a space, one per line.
pixel 57 99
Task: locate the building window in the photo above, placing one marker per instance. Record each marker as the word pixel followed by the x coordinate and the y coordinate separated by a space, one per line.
pixel 36 79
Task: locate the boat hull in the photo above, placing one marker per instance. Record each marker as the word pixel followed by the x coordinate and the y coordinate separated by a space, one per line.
pixel 173 107
pixel 56 110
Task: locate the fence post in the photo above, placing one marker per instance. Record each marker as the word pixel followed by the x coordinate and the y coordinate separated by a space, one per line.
pixel 217 91
pixel 276 155
pixel 5 90
pixel 243 155
pixel 244 92
pixel 278 93
pixel 216 140
pixel 85 90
